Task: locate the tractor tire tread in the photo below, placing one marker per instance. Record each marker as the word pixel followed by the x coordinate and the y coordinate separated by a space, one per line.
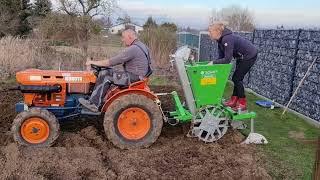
pixel 126 101
pixel 36 112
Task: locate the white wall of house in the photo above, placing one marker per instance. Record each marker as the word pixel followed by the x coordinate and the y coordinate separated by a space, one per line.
pixel 120 27
pixel 139 28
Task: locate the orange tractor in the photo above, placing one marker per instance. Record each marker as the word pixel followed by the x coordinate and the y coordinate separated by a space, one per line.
pixel 132 118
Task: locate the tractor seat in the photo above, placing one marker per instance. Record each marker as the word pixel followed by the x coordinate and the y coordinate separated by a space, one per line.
pixel 137 85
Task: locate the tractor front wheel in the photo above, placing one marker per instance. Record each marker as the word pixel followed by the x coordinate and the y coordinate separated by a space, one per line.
pixel 133 121
pixel 35 128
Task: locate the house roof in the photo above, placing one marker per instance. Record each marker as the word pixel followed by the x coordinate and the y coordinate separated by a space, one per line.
pixel 126 23
pixel 192 33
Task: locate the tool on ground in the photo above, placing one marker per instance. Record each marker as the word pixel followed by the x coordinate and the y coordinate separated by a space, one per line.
pixel 300 84
pixel 267 104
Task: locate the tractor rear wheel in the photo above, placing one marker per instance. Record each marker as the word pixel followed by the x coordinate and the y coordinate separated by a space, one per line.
pixel 133 121
pixel 35 128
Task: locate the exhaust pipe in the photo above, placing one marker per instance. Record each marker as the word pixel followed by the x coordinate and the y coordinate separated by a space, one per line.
pixel 37 89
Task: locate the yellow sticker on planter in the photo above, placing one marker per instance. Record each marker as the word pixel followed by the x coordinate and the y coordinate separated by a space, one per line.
pixel 208 81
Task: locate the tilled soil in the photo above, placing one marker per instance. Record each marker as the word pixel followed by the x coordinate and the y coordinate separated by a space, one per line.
pixel 83 152
pixel 7 113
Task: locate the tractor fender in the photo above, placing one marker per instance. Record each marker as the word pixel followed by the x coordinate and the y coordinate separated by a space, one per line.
pixel 125 92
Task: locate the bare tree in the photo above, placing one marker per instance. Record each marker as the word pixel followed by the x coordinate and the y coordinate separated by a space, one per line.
pixel 14 16
pixel 126 19
pixel 84 11
pixel 150 23
pixel 108 22
pixel 238 18
pixel 87 7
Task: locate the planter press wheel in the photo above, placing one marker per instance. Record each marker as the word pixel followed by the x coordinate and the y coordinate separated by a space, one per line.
pixel 210 124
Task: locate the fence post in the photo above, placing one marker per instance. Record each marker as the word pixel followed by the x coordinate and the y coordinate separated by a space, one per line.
pixel 199 46
pixel 249 73
pixel 316 174
pixel 295 62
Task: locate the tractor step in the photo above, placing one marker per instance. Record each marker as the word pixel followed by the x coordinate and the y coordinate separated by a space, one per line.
pixel 90 113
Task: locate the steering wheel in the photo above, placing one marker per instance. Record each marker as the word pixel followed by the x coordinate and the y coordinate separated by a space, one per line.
pixel 96 69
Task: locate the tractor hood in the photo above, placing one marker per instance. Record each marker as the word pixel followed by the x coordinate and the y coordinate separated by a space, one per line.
pixel 36 76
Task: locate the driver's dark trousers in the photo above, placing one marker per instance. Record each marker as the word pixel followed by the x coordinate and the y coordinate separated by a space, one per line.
pixel 104 81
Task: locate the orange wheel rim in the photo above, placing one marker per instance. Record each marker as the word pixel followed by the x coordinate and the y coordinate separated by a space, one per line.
pixel 134 123
pixel 35 130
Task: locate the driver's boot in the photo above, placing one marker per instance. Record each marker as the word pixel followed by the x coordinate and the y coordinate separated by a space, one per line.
pixel 87 104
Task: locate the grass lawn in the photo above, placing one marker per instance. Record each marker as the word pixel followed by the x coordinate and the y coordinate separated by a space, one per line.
pixel 290 153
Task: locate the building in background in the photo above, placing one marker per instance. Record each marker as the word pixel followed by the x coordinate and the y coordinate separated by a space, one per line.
pixel 120 27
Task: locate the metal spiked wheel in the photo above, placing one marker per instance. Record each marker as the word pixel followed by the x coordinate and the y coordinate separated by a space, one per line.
pixel 211 124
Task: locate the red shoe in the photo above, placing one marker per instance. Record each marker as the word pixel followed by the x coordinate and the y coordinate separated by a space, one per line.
pixel 241 105
pixel 232 101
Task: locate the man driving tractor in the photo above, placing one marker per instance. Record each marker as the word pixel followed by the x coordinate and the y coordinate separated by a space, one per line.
pixel 136 63
pixel 231 45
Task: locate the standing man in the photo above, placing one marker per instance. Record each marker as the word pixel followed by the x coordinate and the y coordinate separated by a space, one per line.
pixel 136 63
pixel 233 46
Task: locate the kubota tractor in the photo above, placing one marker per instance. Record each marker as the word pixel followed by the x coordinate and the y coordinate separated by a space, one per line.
pixel 133 117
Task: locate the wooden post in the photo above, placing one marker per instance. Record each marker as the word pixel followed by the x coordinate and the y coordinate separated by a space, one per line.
pixel 300 84
pixel 316 175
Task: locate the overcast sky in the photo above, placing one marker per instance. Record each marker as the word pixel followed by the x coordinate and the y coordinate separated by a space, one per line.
pixel 195 13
